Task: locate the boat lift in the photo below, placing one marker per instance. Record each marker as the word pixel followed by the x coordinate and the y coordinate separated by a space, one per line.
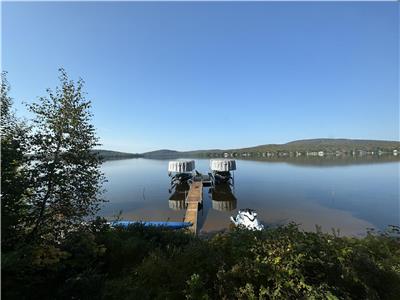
pixel 221 170
pixel 180 172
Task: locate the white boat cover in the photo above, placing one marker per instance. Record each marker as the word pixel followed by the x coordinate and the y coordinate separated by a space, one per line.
pixel 223 165
pixel 181 166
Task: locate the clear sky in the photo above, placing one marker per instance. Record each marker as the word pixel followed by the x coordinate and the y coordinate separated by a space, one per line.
pixel 213 75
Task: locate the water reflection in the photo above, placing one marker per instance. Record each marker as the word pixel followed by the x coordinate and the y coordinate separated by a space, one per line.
pixel 351 196
pixel 177 200
pixel 222 197
pixel 328 161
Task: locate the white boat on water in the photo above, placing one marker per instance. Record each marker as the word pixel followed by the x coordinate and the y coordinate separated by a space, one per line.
pixel 247 218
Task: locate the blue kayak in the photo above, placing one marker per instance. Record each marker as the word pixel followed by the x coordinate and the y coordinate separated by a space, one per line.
pixel 172 225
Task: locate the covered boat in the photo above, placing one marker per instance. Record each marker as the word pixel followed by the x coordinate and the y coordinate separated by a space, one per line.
pixel 172 225
pixel 181 166
pixel 180 171
pixel 222 169
pixel 222 165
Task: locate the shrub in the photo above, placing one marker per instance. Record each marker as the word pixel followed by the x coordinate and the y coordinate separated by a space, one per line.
pixel 157 263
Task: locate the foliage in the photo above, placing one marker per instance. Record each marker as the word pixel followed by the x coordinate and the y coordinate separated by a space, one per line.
pixel 67 177
pixel 98 262
pixel 51 183
pixel 14 181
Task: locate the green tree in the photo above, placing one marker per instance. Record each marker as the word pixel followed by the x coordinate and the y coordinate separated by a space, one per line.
pixel 67 182
pixel 14 182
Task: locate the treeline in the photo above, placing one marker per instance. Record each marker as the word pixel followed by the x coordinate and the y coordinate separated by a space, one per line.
pixel 316 147
pixel 111 155
pixel 280 154
pixel 328 146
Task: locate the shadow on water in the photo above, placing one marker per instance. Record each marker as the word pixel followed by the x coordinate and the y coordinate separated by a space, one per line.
pixel 204 209
pixel 219 199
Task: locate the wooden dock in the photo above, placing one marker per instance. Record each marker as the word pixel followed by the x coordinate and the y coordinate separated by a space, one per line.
pixel 193 200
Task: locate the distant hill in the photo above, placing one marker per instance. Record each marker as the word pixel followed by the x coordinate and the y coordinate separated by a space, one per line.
pixel 161 153
pixel 109 155
pixel 300 147
pixel 327 145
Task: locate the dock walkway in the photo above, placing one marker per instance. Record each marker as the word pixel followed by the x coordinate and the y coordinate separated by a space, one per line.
pixel 193 200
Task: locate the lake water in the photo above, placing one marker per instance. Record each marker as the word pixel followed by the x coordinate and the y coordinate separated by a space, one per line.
pixel 348 196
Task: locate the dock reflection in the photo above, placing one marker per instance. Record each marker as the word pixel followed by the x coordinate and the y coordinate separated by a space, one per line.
pixel 177 200
pixel 222 197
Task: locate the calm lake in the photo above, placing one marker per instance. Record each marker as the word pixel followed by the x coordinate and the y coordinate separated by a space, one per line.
pixel 349 196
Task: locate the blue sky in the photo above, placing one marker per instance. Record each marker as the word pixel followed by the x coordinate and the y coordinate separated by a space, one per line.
pixel 213 75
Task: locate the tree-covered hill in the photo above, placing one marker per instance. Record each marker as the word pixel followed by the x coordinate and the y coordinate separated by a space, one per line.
pixel 311 146
pixel 162 153
pixel 294 148
pixel 109 155
pixel 327 145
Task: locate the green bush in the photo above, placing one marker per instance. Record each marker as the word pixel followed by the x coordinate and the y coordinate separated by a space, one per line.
pixel 157 263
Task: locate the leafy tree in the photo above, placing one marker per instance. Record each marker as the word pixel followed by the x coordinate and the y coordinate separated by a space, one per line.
pixel 67 181
pixel 14 182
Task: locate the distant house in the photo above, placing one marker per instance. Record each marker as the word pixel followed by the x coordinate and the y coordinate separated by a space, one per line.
pixel 362 152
